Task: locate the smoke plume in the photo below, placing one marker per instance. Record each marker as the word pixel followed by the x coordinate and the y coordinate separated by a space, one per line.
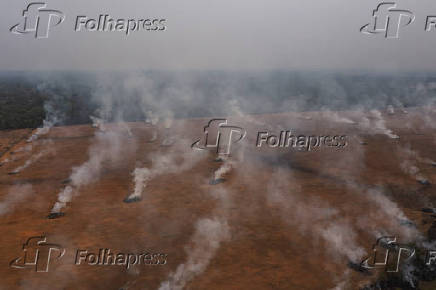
pixel 107 147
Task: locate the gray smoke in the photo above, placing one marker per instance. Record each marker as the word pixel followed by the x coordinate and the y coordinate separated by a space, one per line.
pixel 409 163
pixel 108 146
pixel 34 158
pixel 97 123
pixel 376 124
pixel 335 117
pixel 314 218
pixel 225 168
pixel 15 195
pixel 179 159
pixel 53 116
pixel 209 234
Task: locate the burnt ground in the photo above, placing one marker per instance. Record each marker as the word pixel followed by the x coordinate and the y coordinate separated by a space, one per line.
pixel 268 247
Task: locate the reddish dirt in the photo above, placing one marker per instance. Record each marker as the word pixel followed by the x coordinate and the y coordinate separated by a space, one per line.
pixel 266 249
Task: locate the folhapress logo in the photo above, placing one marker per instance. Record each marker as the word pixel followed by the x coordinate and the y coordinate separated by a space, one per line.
pixel 388 20
pixel 38 20
pixel 37 254
pixel 387 253
pixel 218 134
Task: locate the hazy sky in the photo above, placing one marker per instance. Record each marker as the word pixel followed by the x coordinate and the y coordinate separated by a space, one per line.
pixel 222 34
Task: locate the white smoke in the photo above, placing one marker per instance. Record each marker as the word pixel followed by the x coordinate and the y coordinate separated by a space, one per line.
pixel 235 110
pixel 380 215
pixel 153 136
pixel 64 197
pixel 408 274
pixel 126 128
pixel 47 125
pixel 379 125
pixel 141 176
pixel 52 117
pixel 399 105
pixel 168 122
pixel 97 123
pixel 408 152
pixel 409 167
pixel 26 148
pixel 375 124
pixel 153 120
pixel 179 159
pixel 314 218
pixel 390 213
pixel 428 115
pixel 32 160
pixel 108 147
pixel 335 117
pixel 225 168
pixel 409 163
pixel 15 195
pixel 168 138
pixel 390 110
pixel 344 281
pixel 209 234
pixel 341 239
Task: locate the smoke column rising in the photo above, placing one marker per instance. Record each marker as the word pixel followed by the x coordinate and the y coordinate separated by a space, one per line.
pixel 179 159
pixel 208 236
pixel 107 147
